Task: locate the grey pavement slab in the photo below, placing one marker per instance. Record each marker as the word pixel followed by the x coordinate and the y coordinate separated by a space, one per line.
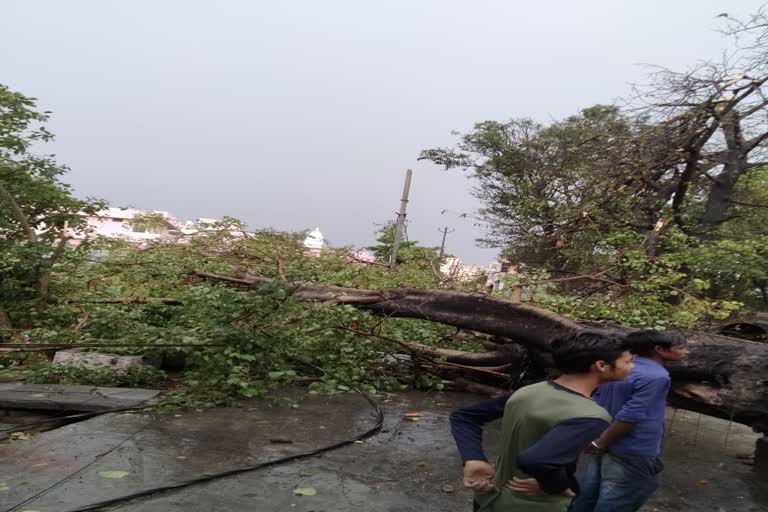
pixel 54 397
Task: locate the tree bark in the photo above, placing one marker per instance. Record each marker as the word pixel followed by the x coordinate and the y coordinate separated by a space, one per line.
pixel 723 377
pixel 18 213
pixel 724 184
pixel 44 277
pixel 494 358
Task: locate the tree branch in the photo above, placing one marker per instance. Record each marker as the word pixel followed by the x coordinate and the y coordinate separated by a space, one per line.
pixel 18 213
pixel 749 205
pixel 44 278
pixel 753 143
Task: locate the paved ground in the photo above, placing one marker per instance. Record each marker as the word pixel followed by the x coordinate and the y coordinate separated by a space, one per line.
pixel 411 466
pixel 708 467
pixel 55 397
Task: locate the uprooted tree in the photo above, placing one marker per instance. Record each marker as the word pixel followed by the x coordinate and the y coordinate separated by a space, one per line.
pixel 723 377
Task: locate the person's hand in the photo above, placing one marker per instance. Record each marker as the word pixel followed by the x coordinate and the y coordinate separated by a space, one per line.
pixel 478 475
pixel 531 487
pixel 596 447
pixel 526 486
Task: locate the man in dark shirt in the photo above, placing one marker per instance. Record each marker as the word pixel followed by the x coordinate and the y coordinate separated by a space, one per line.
pixel 623 468
pixel 545 427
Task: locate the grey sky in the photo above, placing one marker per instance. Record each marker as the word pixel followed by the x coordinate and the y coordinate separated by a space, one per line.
pixel 299 114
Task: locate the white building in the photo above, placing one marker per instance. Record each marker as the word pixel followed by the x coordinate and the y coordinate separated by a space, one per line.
pixel 454 269
pixel 202 225
pixel 314 242
pixel 127 224
pixel 142 226
pixel 496 270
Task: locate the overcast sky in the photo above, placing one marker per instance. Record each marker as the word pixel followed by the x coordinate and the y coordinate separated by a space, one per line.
pixel 299 114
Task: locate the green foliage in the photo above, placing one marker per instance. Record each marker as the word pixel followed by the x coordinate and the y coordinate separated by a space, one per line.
pixel 36 210
pixel 596 195
pixel 260 331
pixel 418 266
pixel 408 250
pixel 649 292
pixel 135 376
pixel 544 189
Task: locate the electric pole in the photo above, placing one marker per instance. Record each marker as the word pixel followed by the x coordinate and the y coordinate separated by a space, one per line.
pixel 400 219
pixel 445 232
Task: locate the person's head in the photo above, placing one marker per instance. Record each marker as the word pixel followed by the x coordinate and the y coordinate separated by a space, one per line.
pixel 588 352
pixel 661 345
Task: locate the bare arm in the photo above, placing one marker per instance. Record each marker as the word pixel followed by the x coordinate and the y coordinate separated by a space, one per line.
pixel 616 431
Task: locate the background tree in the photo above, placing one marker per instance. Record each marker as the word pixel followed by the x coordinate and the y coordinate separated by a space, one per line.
pixel 37 211
pixel 543 188
pixel 648 196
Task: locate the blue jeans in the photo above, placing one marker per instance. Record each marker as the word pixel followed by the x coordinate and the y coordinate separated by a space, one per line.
pixel 616 483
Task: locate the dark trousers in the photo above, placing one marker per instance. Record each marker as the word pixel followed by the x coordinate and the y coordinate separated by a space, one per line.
pixel 617 483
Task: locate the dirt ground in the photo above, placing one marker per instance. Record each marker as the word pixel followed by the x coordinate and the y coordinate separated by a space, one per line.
pixel 410 466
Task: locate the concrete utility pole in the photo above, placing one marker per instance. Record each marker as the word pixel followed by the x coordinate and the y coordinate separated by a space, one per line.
pixel 400 219
pixel 445 232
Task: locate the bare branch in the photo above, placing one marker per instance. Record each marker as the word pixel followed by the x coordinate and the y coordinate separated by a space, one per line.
pixel 753 143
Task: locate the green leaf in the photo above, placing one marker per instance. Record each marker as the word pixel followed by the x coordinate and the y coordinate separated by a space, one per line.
pixel 305 491
pixel 113 474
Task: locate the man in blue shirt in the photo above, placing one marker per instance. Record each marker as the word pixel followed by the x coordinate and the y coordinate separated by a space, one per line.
pixel 623 467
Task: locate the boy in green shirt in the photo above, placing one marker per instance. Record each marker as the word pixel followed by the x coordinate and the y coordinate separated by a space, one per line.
pixel 545 428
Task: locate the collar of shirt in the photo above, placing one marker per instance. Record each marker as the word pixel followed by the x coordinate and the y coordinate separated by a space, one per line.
pixel 555 385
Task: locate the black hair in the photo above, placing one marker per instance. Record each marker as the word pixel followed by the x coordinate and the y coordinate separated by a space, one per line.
pixel 644 343
pixel 577 352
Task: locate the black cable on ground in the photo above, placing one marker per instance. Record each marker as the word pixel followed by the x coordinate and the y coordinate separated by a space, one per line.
pixel 95 507
pixel 82 469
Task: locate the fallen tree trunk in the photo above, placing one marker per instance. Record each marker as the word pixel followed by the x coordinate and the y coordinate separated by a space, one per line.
pixel 497 357
pixel 723 377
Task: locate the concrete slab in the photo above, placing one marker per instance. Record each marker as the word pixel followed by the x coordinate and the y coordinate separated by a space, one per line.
pixel 407 468
pixel 54 397
pixel 81 357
